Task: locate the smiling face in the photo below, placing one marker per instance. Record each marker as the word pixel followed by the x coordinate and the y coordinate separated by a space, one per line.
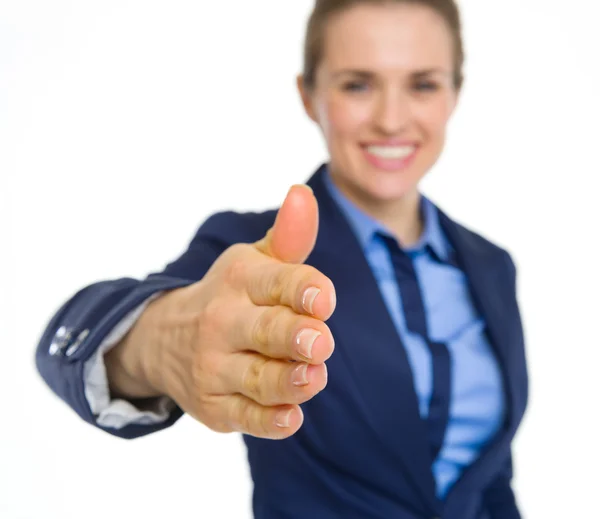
pixel 382 97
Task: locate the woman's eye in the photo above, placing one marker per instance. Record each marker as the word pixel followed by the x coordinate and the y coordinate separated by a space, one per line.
pixel 356 86
pixel 426 86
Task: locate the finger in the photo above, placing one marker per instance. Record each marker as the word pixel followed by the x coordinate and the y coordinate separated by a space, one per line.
pixel 278 332
pixel 294 233
pixel 301 287
pixel 276 423
pixel 271 382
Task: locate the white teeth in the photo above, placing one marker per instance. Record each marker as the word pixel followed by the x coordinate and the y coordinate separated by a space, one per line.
pixel 391 152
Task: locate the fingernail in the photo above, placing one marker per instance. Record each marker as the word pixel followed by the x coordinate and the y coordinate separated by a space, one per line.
pixel 299 375
pixel 282 418
pixel 305 340
pixel 308 298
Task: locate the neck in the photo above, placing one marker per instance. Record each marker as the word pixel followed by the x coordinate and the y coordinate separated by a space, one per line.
pixel 401 216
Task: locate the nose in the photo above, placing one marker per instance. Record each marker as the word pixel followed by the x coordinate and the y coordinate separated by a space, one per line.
pixel 392 114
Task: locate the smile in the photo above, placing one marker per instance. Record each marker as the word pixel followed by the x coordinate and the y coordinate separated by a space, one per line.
pixel 391 152
pixel 390 158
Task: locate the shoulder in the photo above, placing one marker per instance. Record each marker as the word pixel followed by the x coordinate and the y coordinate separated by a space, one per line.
pixel 231 227
pixel 478 243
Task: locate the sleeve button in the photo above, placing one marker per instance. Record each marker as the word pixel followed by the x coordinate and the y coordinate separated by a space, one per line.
pixel 75 346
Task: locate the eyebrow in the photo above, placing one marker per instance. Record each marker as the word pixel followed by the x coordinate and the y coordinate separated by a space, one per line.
pixel 429 71
pixel 366 73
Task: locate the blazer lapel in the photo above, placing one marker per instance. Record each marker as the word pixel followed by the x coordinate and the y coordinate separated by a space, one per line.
pixel 484 270
pixel 371 346
pixel 491 287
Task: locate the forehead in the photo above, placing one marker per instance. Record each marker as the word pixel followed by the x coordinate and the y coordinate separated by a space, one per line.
pixel 388 37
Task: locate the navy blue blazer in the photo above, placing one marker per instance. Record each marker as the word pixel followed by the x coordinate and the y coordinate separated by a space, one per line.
pixel 362 451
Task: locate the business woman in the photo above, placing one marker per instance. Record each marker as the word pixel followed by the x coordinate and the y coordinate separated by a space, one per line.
pixel 411 414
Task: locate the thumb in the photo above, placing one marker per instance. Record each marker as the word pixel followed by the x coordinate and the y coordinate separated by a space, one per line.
pixel 294 233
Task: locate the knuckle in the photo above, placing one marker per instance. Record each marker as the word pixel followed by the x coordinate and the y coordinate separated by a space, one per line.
pixel 244 415
pixel 283 285
pixel 209 411
pixel 209 366
pixel 309 274
pixel 276 286
pixel 283 383
pixel 213 316
pixel 230 413
pixel 222 422
pixel 264 422
pixel 260 334
pixel 254 378
pixel 222 427
pixel 204 404
pixel 234 263
pixel 302 276
pixel 236 251
pixel 236 271
pixel 265 327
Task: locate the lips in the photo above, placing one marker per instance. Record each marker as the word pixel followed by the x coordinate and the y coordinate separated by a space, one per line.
pixel 391 152
pixel 390 157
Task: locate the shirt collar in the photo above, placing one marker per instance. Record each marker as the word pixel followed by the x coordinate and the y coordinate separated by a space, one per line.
pixel 365 227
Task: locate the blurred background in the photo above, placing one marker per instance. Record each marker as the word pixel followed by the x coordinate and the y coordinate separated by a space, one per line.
pixel 124 124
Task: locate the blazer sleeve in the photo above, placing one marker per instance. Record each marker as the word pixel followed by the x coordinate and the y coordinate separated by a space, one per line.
pixel 499 498
pixel 79 326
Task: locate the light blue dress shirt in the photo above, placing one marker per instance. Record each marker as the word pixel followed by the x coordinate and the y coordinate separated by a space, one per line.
pixel 477 399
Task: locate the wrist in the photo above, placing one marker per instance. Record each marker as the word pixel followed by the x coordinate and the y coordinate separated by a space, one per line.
pixel 154 347
pixel 133 366
pixel 167 361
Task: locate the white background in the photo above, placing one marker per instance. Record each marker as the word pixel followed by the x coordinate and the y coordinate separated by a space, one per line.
pixel 123 124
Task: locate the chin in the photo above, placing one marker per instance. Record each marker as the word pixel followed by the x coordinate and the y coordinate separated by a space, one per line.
pixel 369 183
pixel 386 186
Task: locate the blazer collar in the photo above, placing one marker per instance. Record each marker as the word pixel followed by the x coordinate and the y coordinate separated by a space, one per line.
pixel 365 226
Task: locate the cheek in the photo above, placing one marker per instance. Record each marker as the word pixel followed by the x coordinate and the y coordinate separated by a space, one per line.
pixel 342 119
pixel 434 118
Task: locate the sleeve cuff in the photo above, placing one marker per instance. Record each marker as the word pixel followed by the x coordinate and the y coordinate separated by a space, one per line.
pixel 118 413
